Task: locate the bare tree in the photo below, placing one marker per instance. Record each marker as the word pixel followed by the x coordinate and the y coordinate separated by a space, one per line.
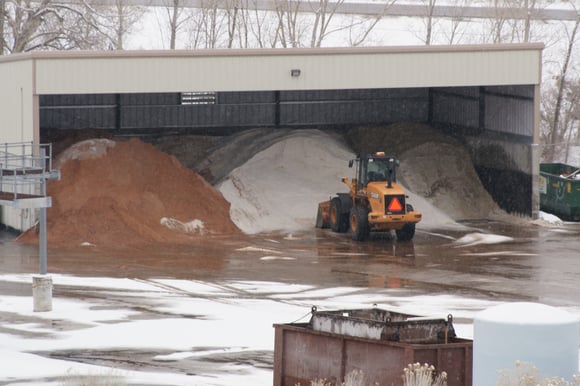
pixel 429 21
pixel 212 22
pixel 175 20
pixel 556 119
pixel 520 29
pixel 113 24
pixel 206 26
pixel 194 30
pixel 41 25
pixel 289 30
pixel 507 25
pixel 232 17
pixel 454 33
pixel 245 21
pixel 323 11
pixel 359 29
pixel 258 28
pixel 2 19
pixel 27 25
pixel 496 24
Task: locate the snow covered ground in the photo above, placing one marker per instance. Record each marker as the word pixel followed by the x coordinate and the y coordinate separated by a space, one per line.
pixel 192 319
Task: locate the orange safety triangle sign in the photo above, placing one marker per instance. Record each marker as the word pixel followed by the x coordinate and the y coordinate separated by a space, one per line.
pixel 395 205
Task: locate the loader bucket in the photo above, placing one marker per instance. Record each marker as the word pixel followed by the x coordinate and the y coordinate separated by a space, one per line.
pixel 323 215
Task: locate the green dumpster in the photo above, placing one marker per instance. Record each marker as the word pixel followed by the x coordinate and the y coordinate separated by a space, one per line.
pixel 559 188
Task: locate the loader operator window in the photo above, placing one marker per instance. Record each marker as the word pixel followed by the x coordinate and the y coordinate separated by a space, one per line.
pixel 376 170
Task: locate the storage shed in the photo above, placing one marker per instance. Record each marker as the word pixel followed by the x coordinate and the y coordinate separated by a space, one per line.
pixel 488 95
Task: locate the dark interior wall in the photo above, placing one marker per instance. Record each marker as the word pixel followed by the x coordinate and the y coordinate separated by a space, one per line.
pixel 233 109
pixel 511 188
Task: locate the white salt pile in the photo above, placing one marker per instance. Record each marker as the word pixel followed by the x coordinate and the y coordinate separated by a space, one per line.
pixel 279 188
pixel 444 174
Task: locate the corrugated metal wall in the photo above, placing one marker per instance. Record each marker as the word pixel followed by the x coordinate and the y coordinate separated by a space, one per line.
pixel 16 116
pixel 500 109
pixel 234 109
pixel 510 109
pixel 75 72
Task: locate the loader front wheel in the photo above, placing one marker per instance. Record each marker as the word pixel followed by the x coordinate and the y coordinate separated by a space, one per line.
pixel 359 223
pixel 338 220
pixel 407 232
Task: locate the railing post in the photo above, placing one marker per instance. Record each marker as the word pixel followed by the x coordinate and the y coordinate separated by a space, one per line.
pixel 42 284
pixel 43 262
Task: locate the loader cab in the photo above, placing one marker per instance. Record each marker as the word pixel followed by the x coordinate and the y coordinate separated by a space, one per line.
pixel 374 168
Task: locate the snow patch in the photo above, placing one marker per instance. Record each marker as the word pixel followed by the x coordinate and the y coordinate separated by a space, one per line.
pixel 194 226
pixel 547 219
pixel 481 238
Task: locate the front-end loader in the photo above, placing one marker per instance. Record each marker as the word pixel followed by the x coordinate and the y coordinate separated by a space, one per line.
pixel 374 203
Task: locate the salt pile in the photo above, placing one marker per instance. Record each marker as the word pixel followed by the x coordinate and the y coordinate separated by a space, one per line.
pixel 279 188
pixel 443 173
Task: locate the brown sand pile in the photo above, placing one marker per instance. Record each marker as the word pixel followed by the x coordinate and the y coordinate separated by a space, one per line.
pixel 115 194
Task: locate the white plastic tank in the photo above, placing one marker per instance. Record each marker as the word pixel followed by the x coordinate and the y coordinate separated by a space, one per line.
pixel 543 336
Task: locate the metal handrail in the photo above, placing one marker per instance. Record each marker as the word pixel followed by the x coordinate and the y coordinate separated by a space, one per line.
pixel 26 156
pixel 24 169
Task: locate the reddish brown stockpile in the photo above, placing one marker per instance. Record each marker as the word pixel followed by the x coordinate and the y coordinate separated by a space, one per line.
pixel 115 194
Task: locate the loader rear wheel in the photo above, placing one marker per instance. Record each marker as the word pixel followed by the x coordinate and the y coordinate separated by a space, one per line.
pixel 338 220
pixel 359 223
pixel 407 232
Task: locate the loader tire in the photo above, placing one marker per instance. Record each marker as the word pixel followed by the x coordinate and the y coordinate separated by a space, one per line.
pixel 338 220
pixel 407 232
pixel 359 223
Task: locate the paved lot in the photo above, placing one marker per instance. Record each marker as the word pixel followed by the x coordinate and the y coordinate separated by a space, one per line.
pixel 540 263
pixel 496 262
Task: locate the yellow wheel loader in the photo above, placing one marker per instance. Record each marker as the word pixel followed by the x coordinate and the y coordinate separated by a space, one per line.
pixel 375 202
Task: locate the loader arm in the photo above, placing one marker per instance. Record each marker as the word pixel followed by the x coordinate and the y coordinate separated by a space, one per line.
pixel 352 185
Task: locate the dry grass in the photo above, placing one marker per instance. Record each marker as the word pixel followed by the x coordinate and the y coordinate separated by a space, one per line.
pixel 417 374
pixel 353 378
pixel 413 375
pixel 526 374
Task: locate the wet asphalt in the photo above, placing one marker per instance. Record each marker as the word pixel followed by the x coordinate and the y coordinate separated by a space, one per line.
pixel 539 263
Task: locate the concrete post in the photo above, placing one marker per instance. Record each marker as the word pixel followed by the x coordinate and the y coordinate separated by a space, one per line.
pixel 42 293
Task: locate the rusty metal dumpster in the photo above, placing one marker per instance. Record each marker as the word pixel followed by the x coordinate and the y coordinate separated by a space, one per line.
pixel 559 187
pixel 359 340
